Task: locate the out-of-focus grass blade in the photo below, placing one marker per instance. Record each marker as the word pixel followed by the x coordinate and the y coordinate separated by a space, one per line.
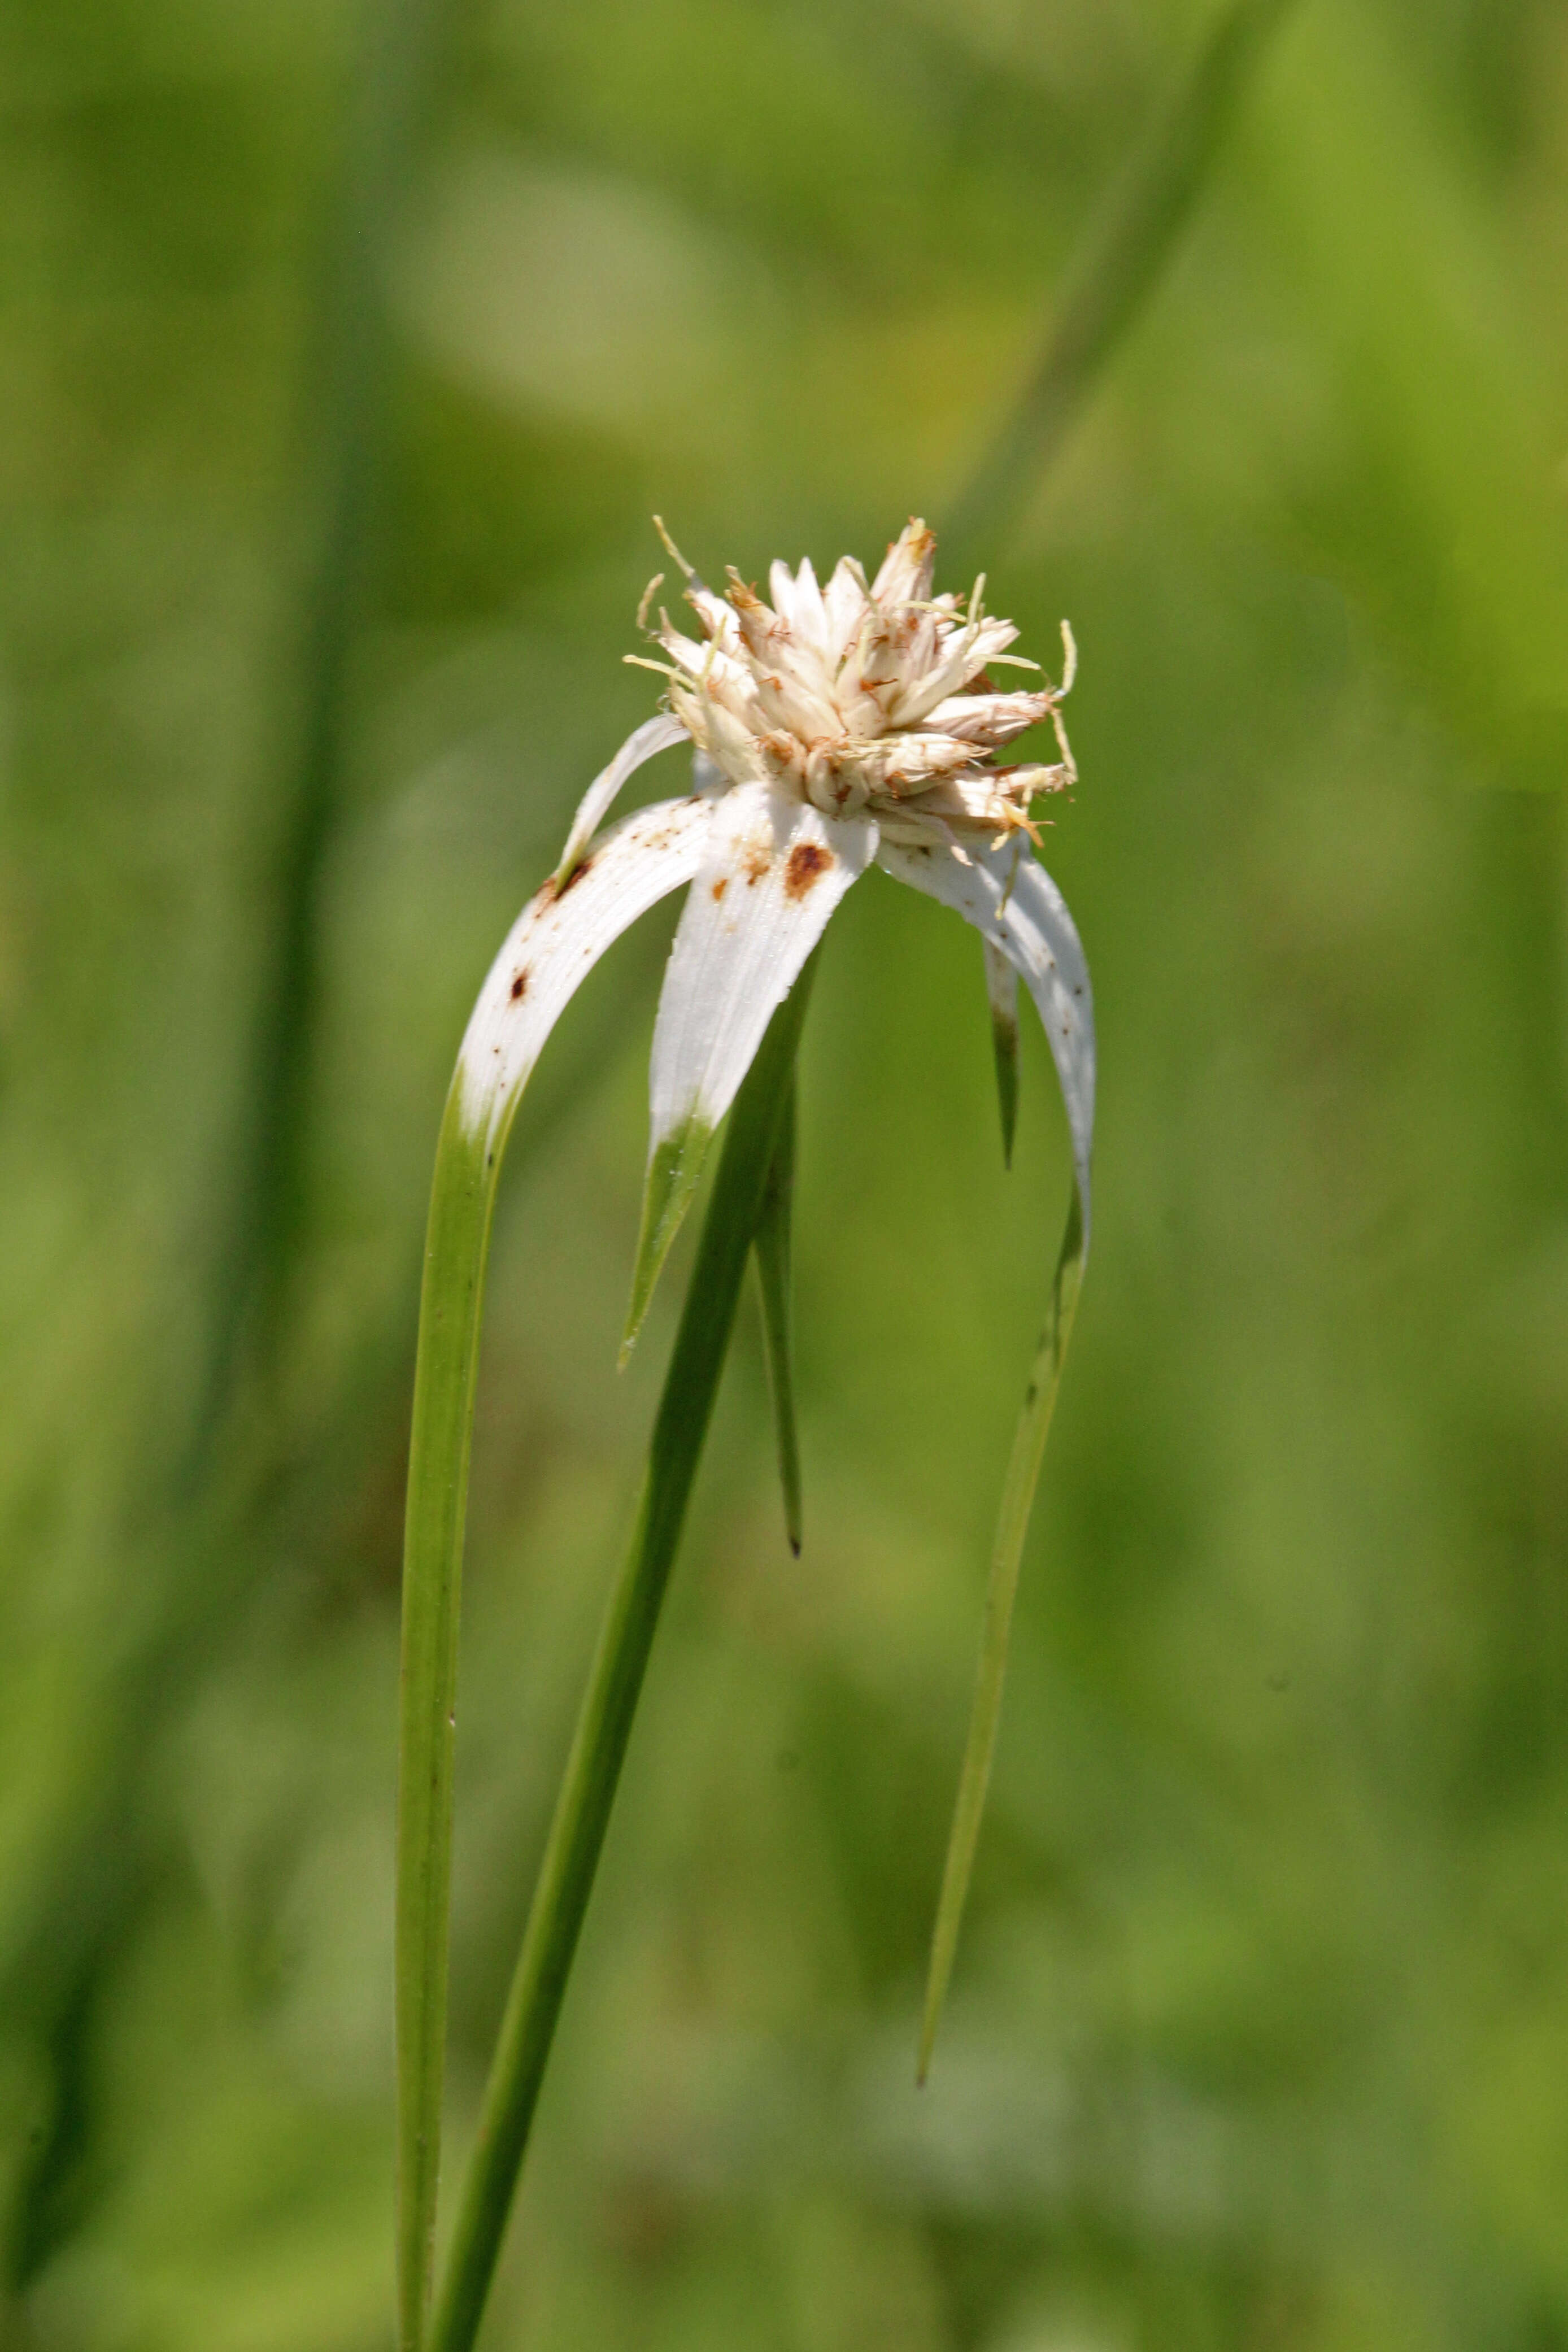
pixel 340 436
pixel 1117 268
pixel 774 1277
pixel 604 1726
pixel 1017 1500
pixel 80 1923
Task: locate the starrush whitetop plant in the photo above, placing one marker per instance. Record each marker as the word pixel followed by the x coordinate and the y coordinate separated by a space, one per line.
pixel 836 728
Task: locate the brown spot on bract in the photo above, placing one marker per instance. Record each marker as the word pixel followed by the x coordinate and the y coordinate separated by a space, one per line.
pixel 573 877
pixel 808 860
pixel 519 986
pixel 721 884
pixel 757 863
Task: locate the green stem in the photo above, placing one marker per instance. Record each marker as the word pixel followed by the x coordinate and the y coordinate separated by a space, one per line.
pixel 1128 247
pixel 462 1200
pixel 604 1726
pixel 1012 1527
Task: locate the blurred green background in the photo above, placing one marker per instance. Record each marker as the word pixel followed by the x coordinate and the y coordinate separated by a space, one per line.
pixel 1258 2040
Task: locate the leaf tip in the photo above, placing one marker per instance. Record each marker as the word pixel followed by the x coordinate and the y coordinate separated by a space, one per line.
pixel 790 1469
pixel 1004 1044
pixel 674 1166
pixel 930 2017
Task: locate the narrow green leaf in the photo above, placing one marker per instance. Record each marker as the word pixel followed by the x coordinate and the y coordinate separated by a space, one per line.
pixel 1128 247
pixel 604 1726
pixel 1017 1500
pixel 673 1171
pixel 774 1276
pixel 457 1244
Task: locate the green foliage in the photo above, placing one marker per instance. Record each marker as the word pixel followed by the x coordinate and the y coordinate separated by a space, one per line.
pixel 456 1247
pixel 753 1139
pixel 1257 2029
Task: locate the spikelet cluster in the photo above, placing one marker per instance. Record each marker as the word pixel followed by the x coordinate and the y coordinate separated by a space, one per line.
pixel 863 698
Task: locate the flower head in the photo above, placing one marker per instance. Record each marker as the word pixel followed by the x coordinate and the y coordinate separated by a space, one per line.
pixel 864 698
pixel 833 727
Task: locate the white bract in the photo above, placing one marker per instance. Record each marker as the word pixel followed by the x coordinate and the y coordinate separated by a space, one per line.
pixel 836 728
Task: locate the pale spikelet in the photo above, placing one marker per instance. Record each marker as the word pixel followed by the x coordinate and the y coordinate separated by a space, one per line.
pixel 863 698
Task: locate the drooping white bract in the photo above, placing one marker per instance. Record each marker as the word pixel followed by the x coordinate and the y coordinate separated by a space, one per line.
pixel 837 726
